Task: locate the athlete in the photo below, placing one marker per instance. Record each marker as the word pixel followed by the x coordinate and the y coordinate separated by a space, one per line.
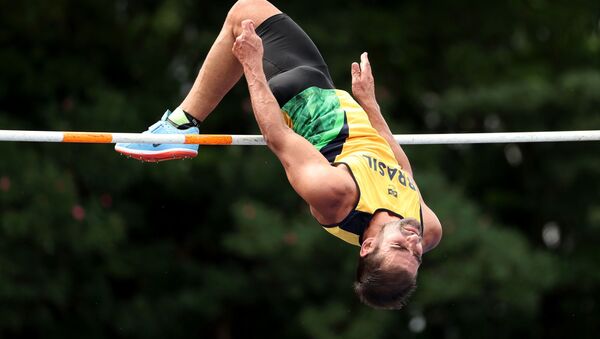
pixel 339 154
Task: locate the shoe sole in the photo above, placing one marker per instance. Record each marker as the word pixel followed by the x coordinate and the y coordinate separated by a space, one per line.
pixel 173 154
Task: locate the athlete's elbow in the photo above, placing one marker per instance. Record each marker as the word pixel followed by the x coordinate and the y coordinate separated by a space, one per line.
pixel 433 235
pixel 275 137
pixel 437 235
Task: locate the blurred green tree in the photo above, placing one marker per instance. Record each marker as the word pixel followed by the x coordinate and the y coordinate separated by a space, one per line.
pixel 95 245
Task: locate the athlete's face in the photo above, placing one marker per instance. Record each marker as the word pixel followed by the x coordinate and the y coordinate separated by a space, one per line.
pixel 400 243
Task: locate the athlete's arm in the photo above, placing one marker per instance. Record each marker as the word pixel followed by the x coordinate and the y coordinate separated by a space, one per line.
pixel 363 89
pixel 321 185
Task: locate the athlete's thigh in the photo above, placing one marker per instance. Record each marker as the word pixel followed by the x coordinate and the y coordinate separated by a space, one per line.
pixel 287 46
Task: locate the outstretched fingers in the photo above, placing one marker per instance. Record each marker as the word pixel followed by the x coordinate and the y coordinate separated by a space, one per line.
pixel 365 65
pixel 363 84
pixel 355 71
pixel 361 72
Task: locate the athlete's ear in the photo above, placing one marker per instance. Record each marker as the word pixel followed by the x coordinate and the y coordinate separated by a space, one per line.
pixel 367 246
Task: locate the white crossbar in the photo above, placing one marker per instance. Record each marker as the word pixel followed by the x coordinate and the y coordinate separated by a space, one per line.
pixel 212 139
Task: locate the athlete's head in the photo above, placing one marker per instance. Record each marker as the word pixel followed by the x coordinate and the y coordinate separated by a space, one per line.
pixel 388 265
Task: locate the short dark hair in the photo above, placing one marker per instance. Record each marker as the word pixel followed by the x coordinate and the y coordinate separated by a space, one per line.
pixel 383 288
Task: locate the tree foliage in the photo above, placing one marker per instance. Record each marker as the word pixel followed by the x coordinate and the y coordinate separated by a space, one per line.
pixel 95 245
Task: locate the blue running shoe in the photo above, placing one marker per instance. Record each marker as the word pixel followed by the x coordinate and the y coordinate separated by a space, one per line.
pixel 161 152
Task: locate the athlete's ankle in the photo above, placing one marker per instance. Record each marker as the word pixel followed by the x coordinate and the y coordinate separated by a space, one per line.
pixel 181 119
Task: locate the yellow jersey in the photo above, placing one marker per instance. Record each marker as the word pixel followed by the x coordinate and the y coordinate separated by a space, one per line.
pixel 340 129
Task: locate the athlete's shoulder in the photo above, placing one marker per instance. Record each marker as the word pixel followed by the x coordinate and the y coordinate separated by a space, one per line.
pixel 432 228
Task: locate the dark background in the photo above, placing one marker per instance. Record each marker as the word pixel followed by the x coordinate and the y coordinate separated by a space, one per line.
pixel 94 245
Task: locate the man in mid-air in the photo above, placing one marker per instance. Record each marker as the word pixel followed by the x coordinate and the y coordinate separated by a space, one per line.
pixel 339 154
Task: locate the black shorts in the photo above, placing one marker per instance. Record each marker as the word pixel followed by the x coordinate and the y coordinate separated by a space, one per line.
pixel 292 62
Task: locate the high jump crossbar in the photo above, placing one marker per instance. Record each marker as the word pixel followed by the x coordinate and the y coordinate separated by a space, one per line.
pixel 225 139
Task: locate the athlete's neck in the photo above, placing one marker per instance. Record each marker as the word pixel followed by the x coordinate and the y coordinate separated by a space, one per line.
pixel 379 218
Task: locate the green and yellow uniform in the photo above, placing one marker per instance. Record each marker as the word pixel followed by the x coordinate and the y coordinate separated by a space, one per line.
pixel 339 128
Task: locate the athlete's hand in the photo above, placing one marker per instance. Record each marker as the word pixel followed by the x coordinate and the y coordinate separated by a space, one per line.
pixel 363 84
pixel 248 47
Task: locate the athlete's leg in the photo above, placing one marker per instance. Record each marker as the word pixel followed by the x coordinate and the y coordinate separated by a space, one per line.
pixel 221 70
pixel 294 64
pixel 218 74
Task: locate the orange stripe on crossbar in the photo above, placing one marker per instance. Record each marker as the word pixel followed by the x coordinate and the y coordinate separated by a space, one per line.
pixel 209 139
pixel 87 137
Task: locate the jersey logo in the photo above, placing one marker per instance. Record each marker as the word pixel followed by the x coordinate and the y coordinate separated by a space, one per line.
pixel 392 191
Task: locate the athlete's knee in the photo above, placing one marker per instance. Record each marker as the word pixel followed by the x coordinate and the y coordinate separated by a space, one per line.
pixel 240 4
pixel 241 9
pixel 237 14
pixel 257 10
